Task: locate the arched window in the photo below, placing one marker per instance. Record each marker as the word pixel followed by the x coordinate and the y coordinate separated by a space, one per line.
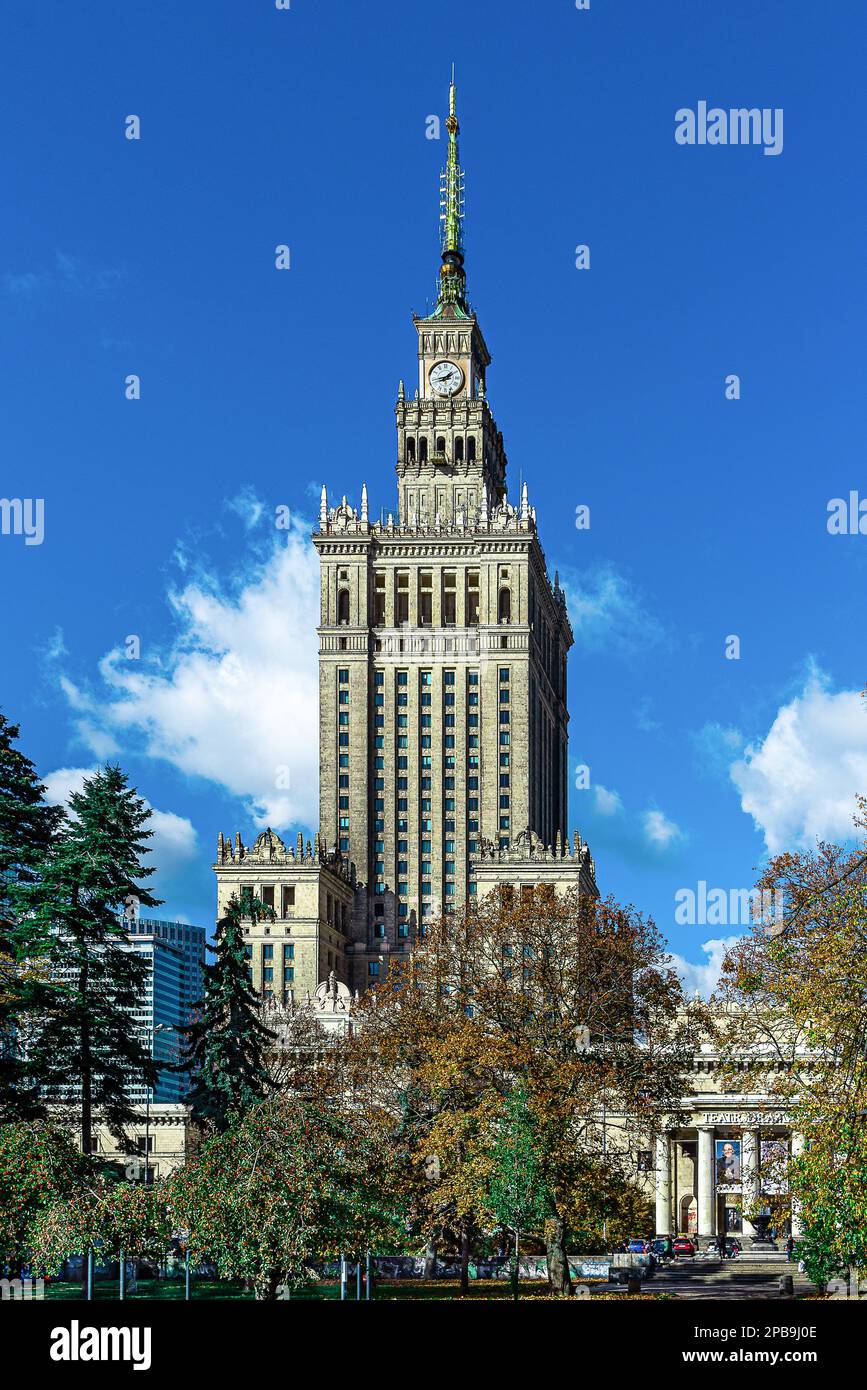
pixel 504 611
pixel 410 450
pixel 422 450
pixel 441 444
pixel 471 449
pixel 459 449
pixel 343 605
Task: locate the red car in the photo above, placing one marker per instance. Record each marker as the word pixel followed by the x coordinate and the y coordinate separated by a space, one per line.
pixel 683 1246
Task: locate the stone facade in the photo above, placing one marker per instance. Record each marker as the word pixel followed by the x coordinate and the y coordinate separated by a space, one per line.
pixel 161 1130
pixel 526 863
pixel 312 894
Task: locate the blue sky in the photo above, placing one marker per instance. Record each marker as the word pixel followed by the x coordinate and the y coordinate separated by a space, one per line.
pixel 708 516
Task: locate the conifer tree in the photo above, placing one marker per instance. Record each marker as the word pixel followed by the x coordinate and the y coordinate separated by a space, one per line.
pixel 27 828
pixel 226 1043
pixel 85 1049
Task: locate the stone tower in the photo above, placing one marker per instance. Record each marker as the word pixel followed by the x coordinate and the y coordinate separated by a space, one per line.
pixel 443 644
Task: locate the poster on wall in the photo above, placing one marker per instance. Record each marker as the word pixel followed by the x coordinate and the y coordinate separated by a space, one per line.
pixel 728 1160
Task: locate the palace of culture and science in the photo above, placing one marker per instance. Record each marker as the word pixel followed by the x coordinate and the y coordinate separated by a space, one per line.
pixel 443 724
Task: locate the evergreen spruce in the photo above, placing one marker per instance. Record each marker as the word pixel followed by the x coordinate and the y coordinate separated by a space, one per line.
pixel 27 829
pixel 225 1044
pixel 85 1049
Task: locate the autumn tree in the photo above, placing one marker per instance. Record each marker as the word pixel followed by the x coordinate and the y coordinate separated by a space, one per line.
pixel 569 996
pixel 796 1001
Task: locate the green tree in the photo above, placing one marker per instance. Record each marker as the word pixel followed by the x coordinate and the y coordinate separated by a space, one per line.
pixel 293 1183
pixel 226 1044
pixel 102 1213
pixel 39 1164
pixel 518 1195
pixel 27 829
pixel 83 1050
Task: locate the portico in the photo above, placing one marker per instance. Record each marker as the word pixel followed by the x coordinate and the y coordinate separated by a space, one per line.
pixel 726 1162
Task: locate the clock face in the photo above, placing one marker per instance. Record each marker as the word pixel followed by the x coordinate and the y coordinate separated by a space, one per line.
pixel 446 378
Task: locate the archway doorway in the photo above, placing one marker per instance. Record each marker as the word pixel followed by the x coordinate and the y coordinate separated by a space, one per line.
pixel 688 1214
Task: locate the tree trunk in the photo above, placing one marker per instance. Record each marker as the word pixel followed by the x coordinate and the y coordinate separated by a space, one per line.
pixel 430 1260
pixel 465 1263
pixel 266 1285
pixel 559 1277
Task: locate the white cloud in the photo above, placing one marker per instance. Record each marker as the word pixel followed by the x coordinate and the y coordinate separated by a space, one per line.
pixel 607 613
pixel 174 844
pixel 801 781
pixel 235 698
pixel 641 837
pixel 703 976
pixel 247 506
pixel 659 831
pixel 605 802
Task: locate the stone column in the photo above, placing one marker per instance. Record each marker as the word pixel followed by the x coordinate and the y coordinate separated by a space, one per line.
pixel 663 1186
pixel 750 1149
pixel 706 1194
pixel 797 1227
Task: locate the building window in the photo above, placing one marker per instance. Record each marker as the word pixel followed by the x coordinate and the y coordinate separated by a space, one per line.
pixel 373 969
pixel 472 598
pixel 450 598
pixel 422 449
pixel 288 900
pixel 402 615
pixel 425 598
pixel 267 895
pixel 471 448
pixel 379 601
pixel 504 609
pixel 410 449
pixel 343 606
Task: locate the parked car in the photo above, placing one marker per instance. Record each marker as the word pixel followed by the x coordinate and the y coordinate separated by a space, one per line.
pixel 636 1246
pixel 684 1246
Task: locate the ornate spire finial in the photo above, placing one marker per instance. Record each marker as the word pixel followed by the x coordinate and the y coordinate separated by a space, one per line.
pixel 452 289
pixel 323 507
pixel 364 516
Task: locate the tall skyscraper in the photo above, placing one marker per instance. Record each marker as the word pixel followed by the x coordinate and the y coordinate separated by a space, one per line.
pixel 443 642
pixel 175 952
